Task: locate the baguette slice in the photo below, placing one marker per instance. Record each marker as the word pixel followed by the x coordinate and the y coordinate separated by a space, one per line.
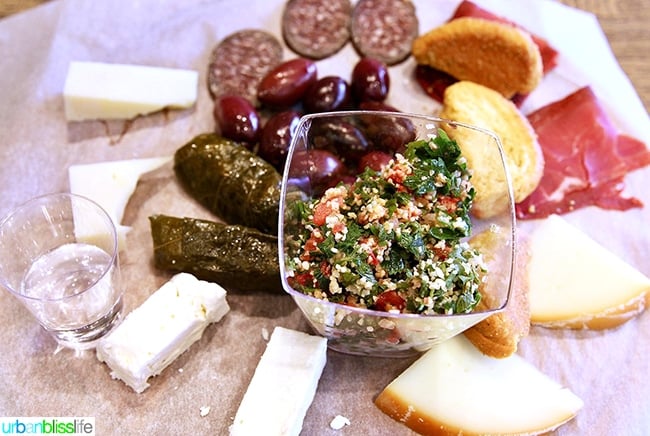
pixel 474 104
pixel 577 283
pixel 499 334
pixel 497 55
pixel 454 389
pixel 283 385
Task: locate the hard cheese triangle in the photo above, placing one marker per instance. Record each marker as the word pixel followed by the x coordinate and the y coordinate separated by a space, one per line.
pixel 455 389
pixel 577 283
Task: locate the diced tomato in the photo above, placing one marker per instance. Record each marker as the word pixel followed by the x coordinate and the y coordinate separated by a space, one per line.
pixel 448 203
pixel 441 253
pixel 302 279
pixel 326 268
pixel 321 212
pixel 394 337
pixel 311 245
pixel 389 300
pixel 372 259
pixel 396 178
pixel 338 227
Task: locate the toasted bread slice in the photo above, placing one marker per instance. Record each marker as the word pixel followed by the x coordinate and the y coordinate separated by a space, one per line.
pixel 480 106
pixel 499 335
pixel 497 55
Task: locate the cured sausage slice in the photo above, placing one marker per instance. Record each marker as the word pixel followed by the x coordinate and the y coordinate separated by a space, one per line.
pixel 316 28
pixel 239 61
pixel 384 29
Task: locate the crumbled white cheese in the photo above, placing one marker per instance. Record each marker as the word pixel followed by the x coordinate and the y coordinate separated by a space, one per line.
pixel 339 422
pixel 204 411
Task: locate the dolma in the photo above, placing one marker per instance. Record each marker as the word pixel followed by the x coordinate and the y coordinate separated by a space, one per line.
pixel 231 181
pixel 234 256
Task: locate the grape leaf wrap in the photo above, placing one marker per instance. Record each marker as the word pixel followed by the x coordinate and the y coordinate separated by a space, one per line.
pixel 231 181
pixel 234 256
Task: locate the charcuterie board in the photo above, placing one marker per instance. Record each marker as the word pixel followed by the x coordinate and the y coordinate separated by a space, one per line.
pixel 607 369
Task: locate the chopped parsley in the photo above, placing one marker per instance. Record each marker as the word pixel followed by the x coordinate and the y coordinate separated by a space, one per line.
pixel 394 240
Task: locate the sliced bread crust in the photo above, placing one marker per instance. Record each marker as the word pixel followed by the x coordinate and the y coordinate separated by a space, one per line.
pixel 478 105
pixel 497 55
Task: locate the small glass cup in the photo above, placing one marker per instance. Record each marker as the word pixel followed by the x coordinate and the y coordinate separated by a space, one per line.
pixel 310 169
pixel 59 257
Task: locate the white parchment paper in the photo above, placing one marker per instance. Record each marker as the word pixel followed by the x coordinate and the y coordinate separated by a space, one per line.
pixel 608 369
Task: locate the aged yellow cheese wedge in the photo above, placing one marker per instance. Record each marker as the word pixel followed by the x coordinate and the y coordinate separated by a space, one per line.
pixel 97 90
pixel 455 389
pixel 577 283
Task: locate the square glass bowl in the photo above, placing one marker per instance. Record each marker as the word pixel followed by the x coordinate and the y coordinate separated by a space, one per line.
pixel 328 148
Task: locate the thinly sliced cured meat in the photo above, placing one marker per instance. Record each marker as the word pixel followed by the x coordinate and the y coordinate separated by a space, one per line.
pixel 384 29
pixel 469 9
pixel 586 159
pixel 239 61
pixel 434 82
pixel 316 28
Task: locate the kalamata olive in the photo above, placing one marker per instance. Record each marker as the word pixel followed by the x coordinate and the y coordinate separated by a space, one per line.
pixel 316 170
pixel 285 85
pixel 389 134
pixel 375 160
pixel 370 80
pixel 340 137
pixel 330 93
pixel 237 119
pixel 276 137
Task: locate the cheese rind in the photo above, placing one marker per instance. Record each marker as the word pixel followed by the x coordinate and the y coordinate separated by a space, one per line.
pixel 153 335
pixel 97 90
pixel 111 184
pixel 577 283
pixel 283 385
pixel 455 389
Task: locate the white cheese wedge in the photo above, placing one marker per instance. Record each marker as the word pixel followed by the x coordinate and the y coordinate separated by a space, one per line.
pixel 283 386
pixel 111 184
pixel 153 335
pixel 102 91
pixel 455 389
pixel 577 283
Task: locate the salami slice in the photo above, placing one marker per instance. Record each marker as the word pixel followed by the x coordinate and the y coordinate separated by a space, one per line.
pixel 239 61
pixel 384 29
pixel 316 28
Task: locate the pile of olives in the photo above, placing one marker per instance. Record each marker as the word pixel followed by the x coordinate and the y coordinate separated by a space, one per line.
pixel 292 89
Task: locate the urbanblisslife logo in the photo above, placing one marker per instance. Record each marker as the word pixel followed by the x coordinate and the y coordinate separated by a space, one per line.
pixel 47 425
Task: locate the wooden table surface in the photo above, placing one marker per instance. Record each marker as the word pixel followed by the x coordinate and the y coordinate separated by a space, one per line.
pixel 625 22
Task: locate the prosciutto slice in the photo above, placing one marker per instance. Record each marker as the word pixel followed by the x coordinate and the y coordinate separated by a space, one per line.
pixel 586 159
pixel 434 82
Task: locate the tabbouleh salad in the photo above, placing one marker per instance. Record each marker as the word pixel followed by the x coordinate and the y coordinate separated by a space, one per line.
pixel 394 239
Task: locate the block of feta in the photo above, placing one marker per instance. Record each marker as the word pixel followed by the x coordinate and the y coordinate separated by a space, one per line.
pixel 283 385
pixel 98 90
pixel 161 329
pixel 110 184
